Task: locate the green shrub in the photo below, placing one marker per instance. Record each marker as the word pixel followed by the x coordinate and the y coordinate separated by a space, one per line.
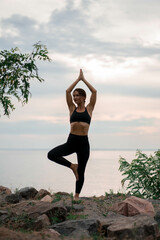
pixel 57 198
pixel 142 174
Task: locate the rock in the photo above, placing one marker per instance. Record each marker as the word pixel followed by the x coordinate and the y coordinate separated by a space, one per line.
pixel 157 217
pixel 2 212
pixel 78 228
pixel 137 227
pixel 28 192
pixel 55 232
pixel 75 208
pixel 47 198
pixel 13 198
pixel 62 193
pixel 42 193
pixel 78 207
pixel 8 234
pixel 41 222
pixel 3 216
pixel 36 208
pixel 132 206
pixel 5 190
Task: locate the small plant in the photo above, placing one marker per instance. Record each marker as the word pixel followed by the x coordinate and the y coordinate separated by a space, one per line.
pixel 97 237
pixel 74 201
pixel 57 198
pixel 55 220
pixel 16 190
pixel 105 214
pixel 106 194
pixel 72 217
pixel 76 216
pixel 27 221
pixel 142 174
pixel 111 192
pixel 31 203
pixel 77 202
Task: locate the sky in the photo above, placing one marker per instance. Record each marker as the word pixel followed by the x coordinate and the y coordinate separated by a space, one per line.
pixel 116 43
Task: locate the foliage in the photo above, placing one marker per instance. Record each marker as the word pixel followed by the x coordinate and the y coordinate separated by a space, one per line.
pixel 74 201
pixel 24 221
pixel 57 198
pixel 143 174
pixel 16 71
pixel 76 216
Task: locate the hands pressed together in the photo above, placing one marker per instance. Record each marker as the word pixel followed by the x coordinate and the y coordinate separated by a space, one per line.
pixel 81 76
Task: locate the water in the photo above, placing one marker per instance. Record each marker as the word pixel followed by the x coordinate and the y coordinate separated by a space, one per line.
pixel 21 168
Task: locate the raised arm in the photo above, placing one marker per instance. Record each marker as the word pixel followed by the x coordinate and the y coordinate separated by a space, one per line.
pixel 93 92
pixel 69 100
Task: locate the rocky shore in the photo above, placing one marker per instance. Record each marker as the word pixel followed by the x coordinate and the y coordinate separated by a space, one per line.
pixel 30 214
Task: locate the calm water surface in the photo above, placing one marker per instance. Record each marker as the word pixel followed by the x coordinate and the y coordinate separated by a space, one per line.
pixel 21 168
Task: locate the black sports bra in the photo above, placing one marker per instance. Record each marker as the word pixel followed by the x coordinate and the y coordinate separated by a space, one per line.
pixel 80 116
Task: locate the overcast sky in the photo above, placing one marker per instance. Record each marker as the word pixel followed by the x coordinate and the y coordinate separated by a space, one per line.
pixel 116 43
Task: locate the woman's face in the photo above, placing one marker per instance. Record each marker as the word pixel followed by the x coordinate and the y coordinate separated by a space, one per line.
pixel 78 99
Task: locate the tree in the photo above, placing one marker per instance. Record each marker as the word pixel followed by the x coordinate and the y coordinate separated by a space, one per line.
pixel 16 72
pixel 142 174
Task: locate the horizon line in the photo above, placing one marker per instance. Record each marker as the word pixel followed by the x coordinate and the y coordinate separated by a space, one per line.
pixel 92 149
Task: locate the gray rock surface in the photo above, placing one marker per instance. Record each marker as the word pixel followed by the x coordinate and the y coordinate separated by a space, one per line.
pixel 78 228
pixel 75 208
pixel 28 192
pixel 13 198
pixel 41 222
pixel 137 227
pixel 157 217
pixel 36 208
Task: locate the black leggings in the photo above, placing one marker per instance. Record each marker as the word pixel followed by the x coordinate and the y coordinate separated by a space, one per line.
pixel 75 144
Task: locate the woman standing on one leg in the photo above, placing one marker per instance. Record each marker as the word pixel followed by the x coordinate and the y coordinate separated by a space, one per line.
pixel 77 142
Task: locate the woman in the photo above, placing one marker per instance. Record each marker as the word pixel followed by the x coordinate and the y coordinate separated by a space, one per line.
pixel 77 142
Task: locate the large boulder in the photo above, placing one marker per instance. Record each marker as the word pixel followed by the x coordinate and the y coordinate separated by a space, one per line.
pixel 13 198
pixel 36 208
pixel 8 234
pixel 5 190
pixel 132 206
pixel 139 227
pixel 78 228
pixel 3 216
pixel 41 193
pixel 28 192
pixel 47 198
pixel 41 222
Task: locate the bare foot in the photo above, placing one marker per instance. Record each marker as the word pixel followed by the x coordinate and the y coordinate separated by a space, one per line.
pixel 76 197
pixel 74 168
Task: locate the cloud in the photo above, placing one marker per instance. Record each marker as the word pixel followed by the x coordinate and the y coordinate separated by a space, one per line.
pixel 122 108
pixel 116 21
pixel 38 10
pixel 124 71
pixel 117 45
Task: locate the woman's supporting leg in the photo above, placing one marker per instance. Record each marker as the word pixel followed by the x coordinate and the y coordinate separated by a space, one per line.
pixel 83 156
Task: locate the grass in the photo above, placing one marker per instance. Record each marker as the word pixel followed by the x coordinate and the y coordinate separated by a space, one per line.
pixel 57 198
pixel 25 220
pixel 76 216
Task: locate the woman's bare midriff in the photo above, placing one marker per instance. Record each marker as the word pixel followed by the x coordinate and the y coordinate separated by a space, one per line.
pixel 79 128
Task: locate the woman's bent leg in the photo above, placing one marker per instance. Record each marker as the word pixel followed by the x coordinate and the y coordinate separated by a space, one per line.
pixel 56 154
